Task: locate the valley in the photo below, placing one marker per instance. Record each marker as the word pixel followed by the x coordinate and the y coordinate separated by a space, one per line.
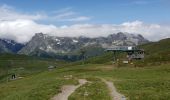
pixel 84 50
pixel 146 79
pixel 135 83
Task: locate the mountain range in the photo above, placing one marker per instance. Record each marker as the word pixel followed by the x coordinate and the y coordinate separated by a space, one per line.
pixel 69 47
pixel 10 46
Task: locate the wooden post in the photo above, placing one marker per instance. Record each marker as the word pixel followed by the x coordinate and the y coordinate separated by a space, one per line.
pixel 114 54
pixel 83 55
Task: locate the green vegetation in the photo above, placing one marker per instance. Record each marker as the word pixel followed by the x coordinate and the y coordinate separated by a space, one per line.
pixel 95 89
pixel 146 83
pixel 146 79
pixel 157 47
pixel 36 87
pixel 157 52
pixel 22 65
pixel 151 83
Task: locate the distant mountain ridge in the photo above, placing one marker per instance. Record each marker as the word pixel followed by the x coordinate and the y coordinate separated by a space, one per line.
pixel 46 44
pixel 10 46
pixel 53 46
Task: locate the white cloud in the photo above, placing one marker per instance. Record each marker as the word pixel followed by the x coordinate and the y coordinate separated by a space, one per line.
pixel 21 26
pixel 66 14
pixel 63 15
pixel 9 13
pixel 76 19
pixel 23 30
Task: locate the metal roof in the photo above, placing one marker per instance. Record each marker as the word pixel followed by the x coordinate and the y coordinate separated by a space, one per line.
pixel 124 48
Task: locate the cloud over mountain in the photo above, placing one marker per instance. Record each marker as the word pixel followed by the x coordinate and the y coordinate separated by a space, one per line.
pixel 23 30
pixel 21 26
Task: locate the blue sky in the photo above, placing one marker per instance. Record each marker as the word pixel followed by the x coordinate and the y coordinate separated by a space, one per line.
pixel 21 19
pixel 98 11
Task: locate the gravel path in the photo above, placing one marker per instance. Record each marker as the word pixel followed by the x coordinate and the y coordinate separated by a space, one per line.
pixel 67 90
pixel 113 92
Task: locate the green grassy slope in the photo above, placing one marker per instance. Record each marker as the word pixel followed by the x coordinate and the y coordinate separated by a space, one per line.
pixel 149 82
pixel 157 47
pixel 23 65
pixel 146 83
pixel 155 53
pixel 158 51
pixel 40 86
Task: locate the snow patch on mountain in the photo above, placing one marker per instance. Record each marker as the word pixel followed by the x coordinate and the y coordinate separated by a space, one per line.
pixel 73 44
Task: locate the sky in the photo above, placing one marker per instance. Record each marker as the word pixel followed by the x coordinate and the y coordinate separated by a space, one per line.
pixel 21 19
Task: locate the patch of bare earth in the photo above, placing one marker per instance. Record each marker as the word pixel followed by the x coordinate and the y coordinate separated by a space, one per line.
pixel 67 90
pixel 103 68
pixel 113 92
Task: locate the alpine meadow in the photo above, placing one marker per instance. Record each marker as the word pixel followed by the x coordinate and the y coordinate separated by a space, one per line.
pixel 85 50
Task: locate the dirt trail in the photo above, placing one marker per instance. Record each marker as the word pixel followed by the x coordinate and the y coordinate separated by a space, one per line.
pixel 113 92
pixel 67 90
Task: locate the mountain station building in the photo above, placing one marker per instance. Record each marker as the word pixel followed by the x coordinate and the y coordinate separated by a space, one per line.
pixel 132 52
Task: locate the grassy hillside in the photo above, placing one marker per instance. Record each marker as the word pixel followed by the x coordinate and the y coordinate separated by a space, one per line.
pixel 156 52
pixel 146 83
pixel 149 82
pixel 157 47
pixel 22 65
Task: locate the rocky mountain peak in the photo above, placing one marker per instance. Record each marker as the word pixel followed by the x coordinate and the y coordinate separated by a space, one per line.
pixel 43 44
pixel 57 45
pixel 39 34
